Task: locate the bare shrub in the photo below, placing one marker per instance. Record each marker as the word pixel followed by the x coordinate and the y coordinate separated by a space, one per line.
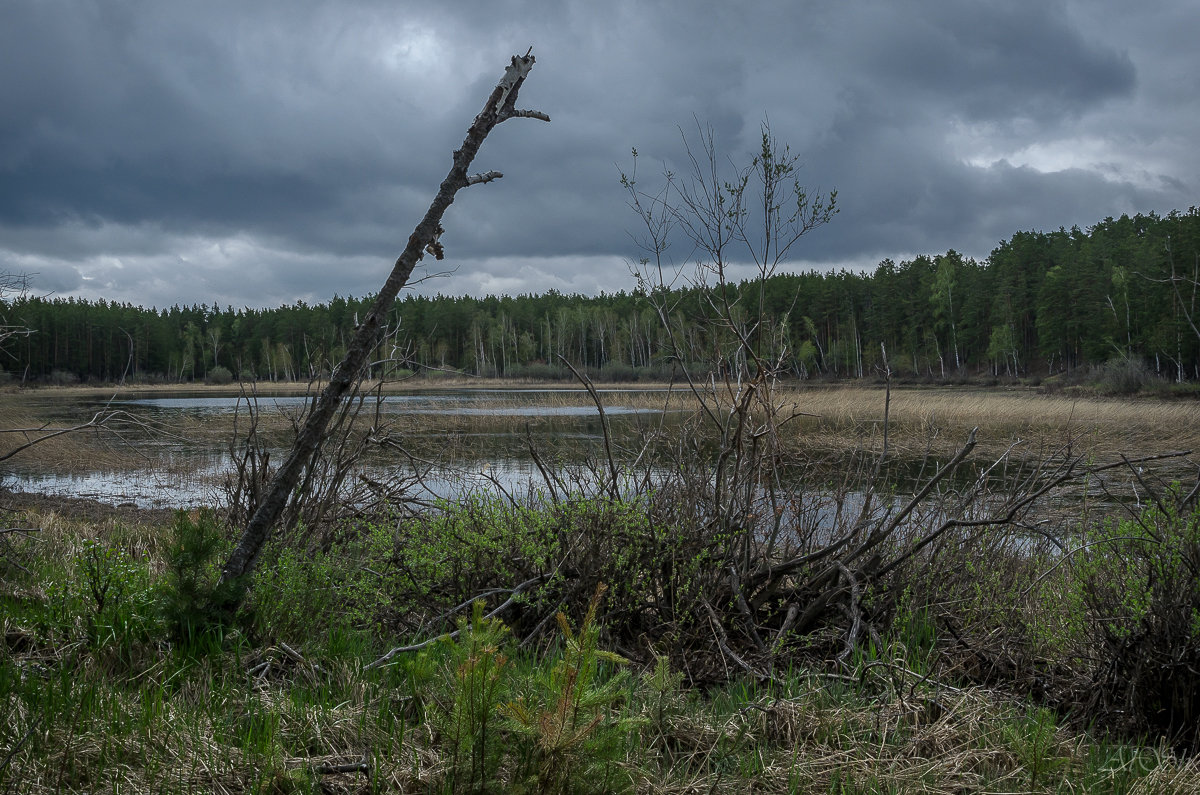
pixel 219 375
pixel 1124 376
pixel 333 485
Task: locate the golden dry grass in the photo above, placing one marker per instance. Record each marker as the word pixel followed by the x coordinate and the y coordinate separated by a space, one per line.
pixel 942 418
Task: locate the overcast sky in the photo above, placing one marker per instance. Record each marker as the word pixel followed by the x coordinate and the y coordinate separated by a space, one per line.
pixel 260 153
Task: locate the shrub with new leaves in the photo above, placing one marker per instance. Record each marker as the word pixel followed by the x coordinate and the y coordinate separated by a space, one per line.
pixel 1141 579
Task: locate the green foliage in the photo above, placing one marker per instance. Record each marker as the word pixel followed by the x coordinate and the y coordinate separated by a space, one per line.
pixel 302 596
pixel 194 602
pixel 473 681
pixel 477 542
pixel 573 740
pixel 571 719
pixel 1056 301
pixel 1033 740
pixel 508 726
pixel 914 631
pixel 1140 578
pixel 112 592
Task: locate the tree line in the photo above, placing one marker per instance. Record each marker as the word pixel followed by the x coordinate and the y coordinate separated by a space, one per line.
pixel 1040 304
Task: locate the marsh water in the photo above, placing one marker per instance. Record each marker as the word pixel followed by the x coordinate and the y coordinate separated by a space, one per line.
pixel 178 451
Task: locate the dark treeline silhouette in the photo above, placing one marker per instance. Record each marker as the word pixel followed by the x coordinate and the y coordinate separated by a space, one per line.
pixel 1125 289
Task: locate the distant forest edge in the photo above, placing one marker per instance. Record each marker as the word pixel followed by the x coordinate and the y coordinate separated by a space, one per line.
pixel 1124 291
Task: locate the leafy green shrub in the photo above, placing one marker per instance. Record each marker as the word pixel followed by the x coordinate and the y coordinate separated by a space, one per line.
pixel 114 594
pixel 1140 578
pixel 322 597
pixel 479 542
pixel 655 560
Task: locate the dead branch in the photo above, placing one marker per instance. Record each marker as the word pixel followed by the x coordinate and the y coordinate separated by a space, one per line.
pixel 105 418
pixel 363 766
pixel 519 589
pixel 614 489
pixel 498 108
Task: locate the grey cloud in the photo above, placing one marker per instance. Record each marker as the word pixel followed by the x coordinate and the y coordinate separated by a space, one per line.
pixel 992 61
pixel 316 132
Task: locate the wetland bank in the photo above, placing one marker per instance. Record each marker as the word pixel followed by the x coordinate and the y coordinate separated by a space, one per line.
pixel 970 648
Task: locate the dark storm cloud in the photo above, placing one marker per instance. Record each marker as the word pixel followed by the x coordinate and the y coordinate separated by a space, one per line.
pixel 283 150
pixel 994 62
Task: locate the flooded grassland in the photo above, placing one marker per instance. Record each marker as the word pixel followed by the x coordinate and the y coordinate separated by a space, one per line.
pixel 172 447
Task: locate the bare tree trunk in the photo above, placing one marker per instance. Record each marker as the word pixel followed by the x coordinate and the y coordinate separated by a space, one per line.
pixel 499 108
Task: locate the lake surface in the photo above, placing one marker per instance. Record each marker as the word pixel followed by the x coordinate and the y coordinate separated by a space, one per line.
pixel 460 439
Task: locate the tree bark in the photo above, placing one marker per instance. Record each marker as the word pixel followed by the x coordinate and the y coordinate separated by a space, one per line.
pixel 424 239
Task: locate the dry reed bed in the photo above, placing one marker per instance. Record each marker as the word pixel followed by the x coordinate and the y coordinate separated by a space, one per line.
pixel 917 415
pixel 834 419
pixel 942 418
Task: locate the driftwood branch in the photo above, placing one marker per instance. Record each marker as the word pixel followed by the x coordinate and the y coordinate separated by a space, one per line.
pixel 306 449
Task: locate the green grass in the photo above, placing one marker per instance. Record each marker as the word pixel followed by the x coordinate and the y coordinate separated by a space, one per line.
pixel 98 692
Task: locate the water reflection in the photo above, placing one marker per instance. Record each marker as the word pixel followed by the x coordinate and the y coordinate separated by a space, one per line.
pixel 460 404
pixel 460 435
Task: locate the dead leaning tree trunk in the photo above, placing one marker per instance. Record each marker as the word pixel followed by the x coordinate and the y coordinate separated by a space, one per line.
pixel 499 108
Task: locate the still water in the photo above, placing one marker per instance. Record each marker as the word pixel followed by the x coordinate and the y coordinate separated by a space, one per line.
pixel 460 439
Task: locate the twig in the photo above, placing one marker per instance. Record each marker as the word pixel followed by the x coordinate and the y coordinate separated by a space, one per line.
pixel 788 621
pixel 1015 508
pixel 855 613
pixel 17 746
pixel 466 604
pixel 99 420
pixel 1070 554
pixel 385 659
pixel 879 535
pixel 363 766
pixel 736 587
pixel 723 642
pixel 613 488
